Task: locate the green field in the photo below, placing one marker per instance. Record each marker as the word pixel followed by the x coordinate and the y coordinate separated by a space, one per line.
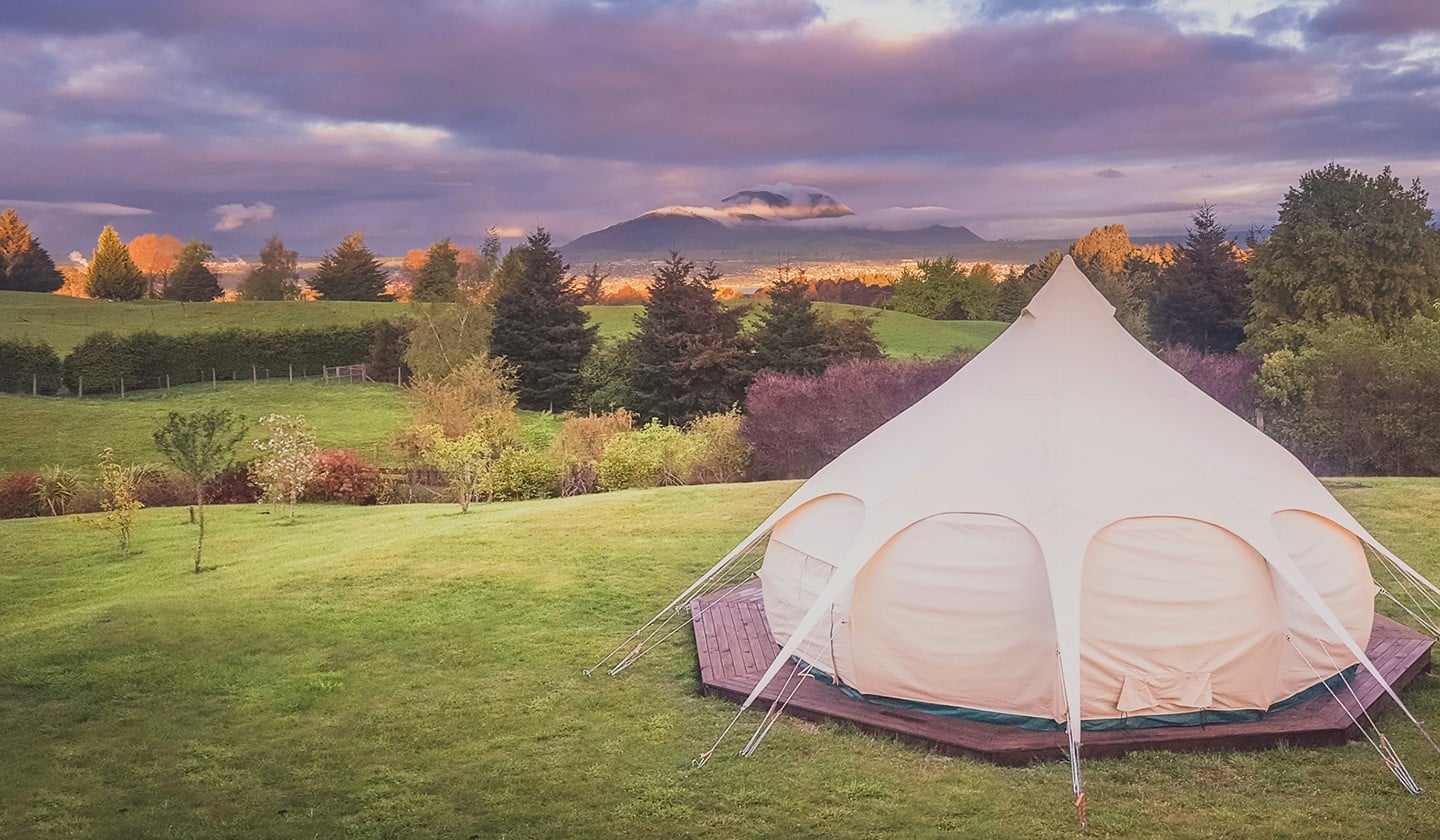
pixel 410 672
pixel 63 322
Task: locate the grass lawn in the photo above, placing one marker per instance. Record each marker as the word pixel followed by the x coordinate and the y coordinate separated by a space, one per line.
pixel 408 671
pixel 66 430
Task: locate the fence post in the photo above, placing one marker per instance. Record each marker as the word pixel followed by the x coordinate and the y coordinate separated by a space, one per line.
pixel 122 387
pixel 292 373
pixel 82 386
pixel 34 384
pixel 253 377
pixel 213 383
pixel 167 384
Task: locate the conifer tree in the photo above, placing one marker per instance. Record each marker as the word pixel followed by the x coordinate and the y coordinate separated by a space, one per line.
pixel 539 327
pixel 1202 299
pixel 192 279
pixel 113 275
pixel 438 279
pixel 275 278
pixel 350 272
pixel 790 338
pixel 24 265
pixel 689 355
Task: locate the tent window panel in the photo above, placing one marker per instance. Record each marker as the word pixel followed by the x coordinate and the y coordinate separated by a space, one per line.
pixel 955 610
pixel 1165 596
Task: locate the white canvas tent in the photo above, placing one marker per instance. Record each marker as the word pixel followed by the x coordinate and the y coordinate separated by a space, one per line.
pixel 1067 531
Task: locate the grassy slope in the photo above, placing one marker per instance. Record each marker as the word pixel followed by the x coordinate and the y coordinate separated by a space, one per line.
pixel 408 671
pixel 900 334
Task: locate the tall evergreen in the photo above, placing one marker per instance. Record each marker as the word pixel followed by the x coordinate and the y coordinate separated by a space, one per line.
pixel 539 327
pixel 275 278
pixel 191 279
pixel 791 338
pixel 113 275
pixel 690 357
pixel 1202 299
pixel 438 279
pixel 24 265
pixel 350 272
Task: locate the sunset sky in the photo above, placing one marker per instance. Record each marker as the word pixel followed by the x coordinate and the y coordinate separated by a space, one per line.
pixel 229 121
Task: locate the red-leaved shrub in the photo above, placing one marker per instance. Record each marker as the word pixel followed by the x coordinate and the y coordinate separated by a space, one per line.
pixel 798 424
pixel 232 487
pixel 18 495
pixel 341 475
pixel 1229 378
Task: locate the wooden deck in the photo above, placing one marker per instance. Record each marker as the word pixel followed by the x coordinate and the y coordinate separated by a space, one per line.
pixel 732 639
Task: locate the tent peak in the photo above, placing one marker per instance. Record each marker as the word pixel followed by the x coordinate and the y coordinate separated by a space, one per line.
pixel 1068 293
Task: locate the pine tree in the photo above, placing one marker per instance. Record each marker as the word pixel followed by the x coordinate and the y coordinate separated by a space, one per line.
pixel 350 272
pixel 113 275
pixel 791 338
pixel 275 278
pixel 1013 293
pixel 438 280
pixel 689 356
pixel 24 265
pixel 192 279
pixel 539 327
pixel 1202 299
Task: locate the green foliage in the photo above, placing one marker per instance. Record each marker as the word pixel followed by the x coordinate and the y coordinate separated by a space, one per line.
pixel 1013 293
pixel 1202 299
pixel 716 451
pixel 446 336
pixel 276 277
pixel 113 275
pixel 605 376
pixel 118 500
pixel 25 266
pixel 942 289
pixel 520 473
pixel 191 279
pixel 590 287
pixel 539 326
pixel 438 279
pixel 57 487
pixel 690 357
pixel 25 367
pixel 350 272
pixel 201 445
pixel 1346 244
pixel 790 337
pixel 285 460
pixel 468 461
pixel 651 456
pixel 849 337
pixel 465 398
pixel 1359 398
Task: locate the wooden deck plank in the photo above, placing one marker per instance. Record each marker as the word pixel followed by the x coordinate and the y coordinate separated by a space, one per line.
pixel 734 646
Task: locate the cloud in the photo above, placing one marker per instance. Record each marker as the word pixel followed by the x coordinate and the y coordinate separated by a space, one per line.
pixel 1109 173
pixel 233 216
pixel 87 208
pixel 79 259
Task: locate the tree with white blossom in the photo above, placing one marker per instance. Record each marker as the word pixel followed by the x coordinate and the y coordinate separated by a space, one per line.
pixel 286 461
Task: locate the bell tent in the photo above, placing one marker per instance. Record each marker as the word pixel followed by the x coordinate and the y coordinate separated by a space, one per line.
pixel 1066 534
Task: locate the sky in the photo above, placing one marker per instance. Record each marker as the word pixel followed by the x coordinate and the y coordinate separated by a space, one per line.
pixel 412 121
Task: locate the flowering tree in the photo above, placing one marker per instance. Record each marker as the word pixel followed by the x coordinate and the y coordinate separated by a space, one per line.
pixel 287 460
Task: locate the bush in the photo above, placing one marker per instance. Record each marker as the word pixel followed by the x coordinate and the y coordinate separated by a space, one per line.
pixel 1229 378
pixel 341 475
pixel 233 487
pixel 165 489
pixel 798 424
pixel 58 486
pixel 20 495
pixel 650 457
pixel 25 366
pixel 715 450
pixel 524 474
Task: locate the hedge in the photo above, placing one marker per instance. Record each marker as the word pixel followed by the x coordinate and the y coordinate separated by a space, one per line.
pixel 25 366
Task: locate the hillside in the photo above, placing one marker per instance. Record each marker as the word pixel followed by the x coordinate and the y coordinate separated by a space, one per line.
pixel 407 671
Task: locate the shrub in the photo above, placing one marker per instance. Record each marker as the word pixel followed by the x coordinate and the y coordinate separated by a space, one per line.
pixel 798 424
pixel 715 450
pixel 164 489
pixel 19 495
pixel 650 457
pixel 57 488
pixel 524 474
pixel 25 367
pixel 464 398
pixel 118 500
pixel 1229 378
pixel 233 487
pixel 341 475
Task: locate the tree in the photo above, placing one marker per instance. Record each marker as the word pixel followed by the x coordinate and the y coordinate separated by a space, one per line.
pixel 1202 299
pixel 591 285
pixel 539 328
pixel 468 461
pixel 791 337
pixel 1345 244
pixel 25 266
pixel 286 461
pixel 1102 252
pixel 192 279
pixel 945 290
pixel 113 275
pixel 350 272
pixel 156 256
pixel 689 356
pixel 118 499
pixel 275 278
pixel 200 445
pixel 1013 293
pixel 438 278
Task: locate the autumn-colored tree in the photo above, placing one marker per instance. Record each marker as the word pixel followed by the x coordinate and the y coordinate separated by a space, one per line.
pixel 191 279
pixel 437 280
pixel 1102 252
pixel 275 278
pixel 113 275
pixel 156 255
pixel 77 282
pixel 25 266
pixel 350 272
